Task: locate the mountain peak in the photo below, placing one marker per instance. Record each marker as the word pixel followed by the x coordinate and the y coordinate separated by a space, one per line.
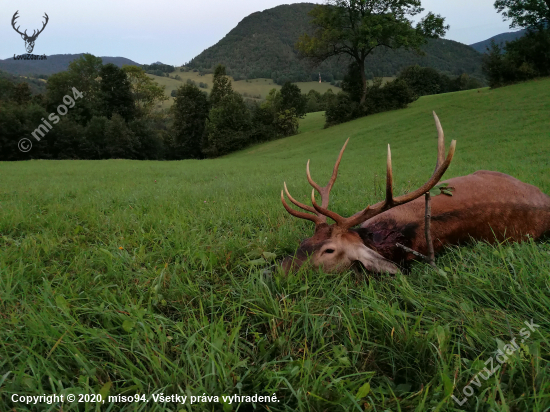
pixel 262 46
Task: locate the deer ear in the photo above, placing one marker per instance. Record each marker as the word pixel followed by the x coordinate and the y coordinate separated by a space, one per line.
pixel 23 36
pixel 375 262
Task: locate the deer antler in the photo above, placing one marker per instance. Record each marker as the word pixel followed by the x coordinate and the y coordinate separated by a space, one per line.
pixel 370 211
pixel 34 33
pixel 43 25
pixel 318 218
pixel 15 17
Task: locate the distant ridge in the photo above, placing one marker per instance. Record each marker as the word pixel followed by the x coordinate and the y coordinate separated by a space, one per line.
pixel 53 64
pixel 500 39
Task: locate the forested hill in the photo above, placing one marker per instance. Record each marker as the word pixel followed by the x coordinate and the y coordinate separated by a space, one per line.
pixel 500 39
pixel 262 45
pixel 53 64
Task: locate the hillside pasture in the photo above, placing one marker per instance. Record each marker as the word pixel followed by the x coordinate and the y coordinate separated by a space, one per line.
pixel 253 88
pixel 124 277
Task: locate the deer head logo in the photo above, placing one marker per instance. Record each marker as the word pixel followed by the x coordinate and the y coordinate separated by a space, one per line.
pixel 29 40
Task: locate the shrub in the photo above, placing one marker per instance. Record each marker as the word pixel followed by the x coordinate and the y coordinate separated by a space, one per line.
pixel 292 98
pixel 393 95
pixel 423 80
pixel 151 146
pixel 94 139
pixel 121 143
pixel 464 82
pixel 287 122
pixel 312 104
pixel 341 109
pixel 327 99
pixel 263 123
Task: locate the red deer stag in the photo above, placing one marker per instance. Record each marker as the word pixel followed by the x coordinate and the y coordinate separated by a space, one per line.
pixel 484 206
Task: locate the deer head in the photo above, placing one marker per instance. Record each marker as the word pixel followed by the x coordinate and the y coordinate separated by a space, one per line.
pixel 336 247
pixel 29 40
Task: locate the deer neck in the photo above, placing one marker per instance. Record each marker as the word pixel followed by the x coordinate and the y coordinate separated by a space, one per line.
pixel 382 237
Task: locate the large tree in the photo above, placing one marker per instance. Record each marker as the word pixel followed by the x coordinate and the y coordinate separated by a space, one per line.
pixel 83 75
pixel 525 13
pixel 221 86
pixel 292 98
pixel 358 27
pixel 115 93
pixel 190 111
pixel 145 92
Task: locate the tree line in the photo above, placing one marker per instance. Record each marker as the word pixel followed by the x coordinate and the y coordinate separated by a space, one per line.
pixel 118 116
pixel 527 57
pixel 224 121
pixel 158 69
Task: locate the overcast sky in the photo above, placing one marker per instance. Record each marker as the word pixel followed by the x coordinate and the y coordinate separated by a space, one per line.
pixel 173 32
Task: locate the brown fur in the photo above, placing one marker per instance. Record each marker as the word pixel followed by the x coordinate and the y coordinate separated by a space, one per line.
pixel 485 206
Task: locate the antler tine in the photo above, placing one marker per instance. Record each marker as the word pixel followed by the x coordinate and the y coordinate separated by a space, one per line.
pixel 442 165
pixel 45 23
pixel 334 216
pixel 325 191
pixel 336 165
pixel 299 204
pixel 310 180
pixel 369 212
pixel 431 182
pixel 440 142
pixel 15 17
pixel 314 218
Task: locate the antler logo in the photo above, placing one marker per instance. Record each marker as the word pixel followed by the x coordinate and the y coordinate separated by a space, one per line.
pixel 29 40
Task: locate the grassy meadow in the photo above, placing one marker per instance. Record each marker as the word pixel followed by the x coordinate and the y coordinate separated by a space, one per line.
pixel 254 87
pixel 125 277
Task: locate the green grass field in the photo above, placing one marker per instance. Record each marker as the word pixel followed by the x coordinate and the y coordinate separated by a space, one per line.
pixel 121 277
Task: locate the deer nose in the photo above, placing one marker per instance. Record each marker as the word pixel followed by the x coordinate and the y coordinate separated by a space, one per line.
pixel 293 263
pixel 286 264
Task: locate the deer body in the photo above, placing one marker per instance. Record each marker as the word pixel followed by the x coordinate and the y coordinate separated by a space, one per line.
pixel 485 206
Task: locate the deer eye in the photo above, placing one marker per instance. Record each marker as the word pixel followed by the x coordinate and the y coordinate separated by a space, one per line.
pixel 328 251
